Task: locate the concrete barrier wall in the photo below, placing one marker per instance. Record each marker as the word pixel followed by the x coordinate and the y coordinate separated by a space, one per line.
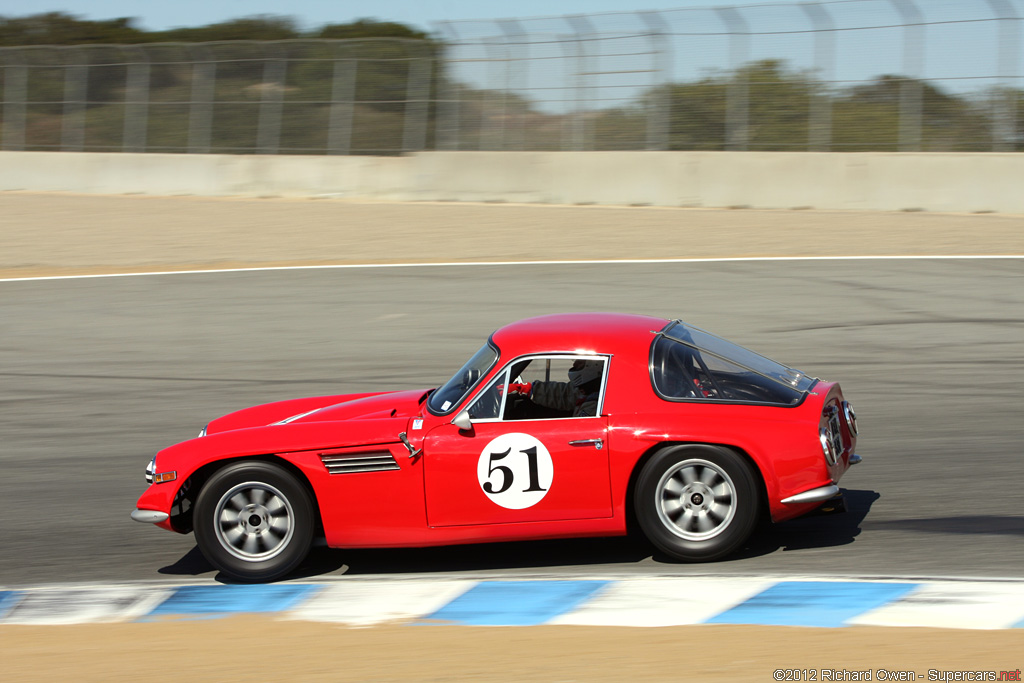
pixel 864 181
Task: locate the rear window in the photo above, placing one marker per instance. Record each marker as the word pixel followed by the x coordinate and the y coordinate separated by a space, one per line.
pixel 690 364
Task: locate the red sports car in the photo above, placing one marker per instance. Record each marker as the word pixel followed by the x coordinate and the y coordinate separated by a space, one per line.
pixel 559 426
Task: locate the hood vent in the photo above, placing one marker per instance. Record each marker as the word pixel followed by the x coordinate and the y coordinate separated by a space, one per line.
pixel 364 461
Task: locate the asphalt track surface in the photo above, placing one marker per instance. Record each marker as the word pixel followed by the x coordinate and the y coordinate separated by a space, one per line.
pixel 98 374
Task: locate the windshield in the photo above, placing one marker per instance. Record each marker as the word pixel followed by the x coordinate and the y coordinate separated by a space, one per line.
pixel 687 362
pixel 451 394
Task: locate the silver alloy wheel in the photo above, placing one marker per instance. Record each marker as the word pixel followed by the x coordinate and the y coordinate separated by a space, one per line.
pixel 696 500
pixel 254 521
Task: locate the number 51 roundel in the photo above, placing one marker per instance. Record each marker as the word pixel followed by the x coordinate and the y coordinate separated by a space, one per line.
pixel 515 471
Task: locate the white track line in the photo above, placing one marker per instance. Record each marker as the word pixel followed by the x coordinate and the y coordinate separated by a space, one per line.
pixel 454 264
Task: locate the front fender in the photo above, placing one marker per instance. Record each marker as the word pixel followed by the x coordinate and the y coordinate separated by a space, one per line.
pixel 187 457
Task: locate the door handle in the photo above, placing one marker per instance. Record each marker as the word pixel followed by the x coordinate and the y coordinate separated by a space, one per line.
pixel 596 443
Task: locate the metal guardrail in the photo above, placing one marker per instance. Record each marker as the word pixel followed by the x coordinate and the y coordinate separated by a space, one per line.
pixel 837 75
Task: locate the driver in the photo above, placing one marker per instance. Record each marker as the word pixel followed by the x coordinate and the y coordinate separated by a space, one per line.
pixel 578 396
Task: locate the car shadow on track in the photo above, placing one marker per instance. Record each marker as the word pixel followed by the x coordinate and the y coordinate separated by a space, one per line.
pixel 817 531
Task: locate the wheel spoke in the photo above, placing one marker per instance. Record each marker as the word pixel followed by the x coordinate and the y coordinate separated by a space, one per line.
pixel 258 495
pixel 228 518
pixel 275 506
pixel 722 491
pixel 705 523
pixel 673 508
pixel 233 535
pixel 718 512
pixel 251 545
pixel 687 520
pixel 237 501
pixel 271 539
pixel 673 486
pixel 688 475
pixel 279 525
pixel 707 476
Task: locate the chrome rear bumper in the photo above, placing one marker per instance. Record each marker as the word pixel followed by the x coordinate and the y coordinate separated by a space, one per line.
pixel 817 495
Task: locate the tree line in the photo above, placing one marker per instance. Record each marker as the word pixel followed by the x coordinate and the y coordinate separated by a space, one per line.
pixel 783 111
pixel 59 28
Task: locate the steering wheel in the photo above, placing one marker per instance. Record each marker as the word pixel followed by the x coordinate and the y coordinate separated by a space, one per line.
pixel 487 404
pixel 695 366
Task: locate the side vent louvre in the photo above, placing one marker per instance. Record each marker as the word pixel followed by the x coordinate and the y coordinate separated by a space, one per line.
pixel 364 461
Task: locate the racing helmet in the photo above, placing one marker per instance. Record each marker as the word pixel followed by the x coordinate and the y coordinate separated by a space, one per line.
pixel 584 371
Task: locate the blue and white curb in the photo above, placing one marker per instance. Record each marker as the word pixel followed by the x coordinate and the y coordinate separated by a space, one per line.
pixel 647 602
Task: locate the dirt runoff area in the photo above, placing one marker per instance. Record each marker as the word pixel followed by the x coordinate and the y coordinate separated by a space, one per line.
pixel 57 234
pixel 53 234
pixel 259 649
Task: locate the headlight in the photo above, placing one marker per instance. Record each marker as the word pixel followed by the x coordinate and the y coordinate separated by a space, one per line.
pixel 150 470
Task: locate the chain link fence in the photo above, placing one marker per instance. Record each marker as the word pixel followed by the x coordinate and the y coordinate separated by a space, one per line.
pixel 293 97
pixel 841 75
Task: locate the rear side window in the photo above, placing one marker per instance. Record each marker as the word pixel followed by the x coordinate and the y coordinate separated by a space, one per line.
pixel 680 372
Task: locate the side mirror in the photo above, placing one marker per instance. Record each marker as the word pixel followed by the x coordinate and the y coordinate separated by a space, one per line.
pixel 462 421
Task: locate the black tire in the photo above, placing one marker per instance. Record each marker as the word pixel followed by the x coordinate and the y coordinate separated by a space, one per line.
pixel 697 503
pixel 254 521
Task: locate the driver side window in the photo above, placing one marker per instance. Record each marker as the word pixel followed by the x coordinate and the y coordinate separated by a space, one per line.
pixel 541 388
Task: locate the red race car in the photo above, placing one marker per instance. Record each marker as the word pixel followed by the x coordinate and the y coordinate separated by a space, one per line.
pixel 559 426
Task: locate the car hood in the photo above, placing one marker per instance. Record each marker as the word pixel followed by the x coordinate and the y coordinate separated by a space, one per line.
pixel 392 404
pixel 300 425
pixel 323 408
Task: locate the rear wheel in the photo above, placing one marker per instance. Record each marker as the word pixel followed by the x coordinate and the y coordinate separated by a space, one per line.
pixel 254 521
pixel 697 503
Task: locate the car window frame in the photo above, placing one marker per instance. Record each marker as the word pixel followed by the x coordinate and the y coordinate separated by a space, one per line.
pixel 606 358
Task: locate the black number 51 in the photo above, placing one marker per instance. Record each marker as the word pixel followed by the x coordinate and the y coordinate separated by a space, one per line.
pixel 506 472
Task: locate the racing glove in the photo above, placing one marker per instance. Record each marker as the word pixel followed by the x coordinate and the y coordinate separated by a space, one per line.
pixel 519 388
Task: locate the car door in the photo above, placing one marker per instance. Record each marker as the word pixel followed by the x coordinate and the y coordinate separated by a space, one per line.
pixel 520 461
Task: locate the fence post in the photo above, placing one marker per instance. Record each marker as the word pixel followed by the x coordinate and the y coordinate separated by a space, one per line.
pixel 76 81
pixel 582 28
pixel 414 137
pixel 136 101
pixel 819 135
pixel 342 111
pixel 737 106
pixel 492 100
pixel 1004 115
pixel 200 114
pixel 913 62
pixel 516 78
pixel 268 132
pixel 660 106
pixel 448 93
pixel 15 96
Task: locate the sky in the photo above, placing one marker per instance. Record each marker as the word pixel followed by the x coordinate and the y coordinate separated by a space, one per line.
pixel 155 15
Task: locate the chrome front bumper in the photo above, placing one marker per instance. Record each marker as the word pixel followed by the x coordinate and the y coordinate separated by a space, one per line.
pixel 149 516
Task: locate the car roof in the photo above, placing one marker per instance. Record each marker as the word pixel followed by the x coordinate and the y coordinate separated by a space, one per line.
pixel 577 333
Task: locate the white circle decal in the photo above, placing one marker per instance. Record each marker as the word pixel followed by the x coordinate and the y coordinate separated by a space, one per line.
pixel 515 471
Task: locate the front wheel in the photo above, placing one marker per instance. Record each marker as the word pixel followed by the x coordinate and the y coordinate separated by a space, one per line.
pixel 697 503
pixel 254 521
